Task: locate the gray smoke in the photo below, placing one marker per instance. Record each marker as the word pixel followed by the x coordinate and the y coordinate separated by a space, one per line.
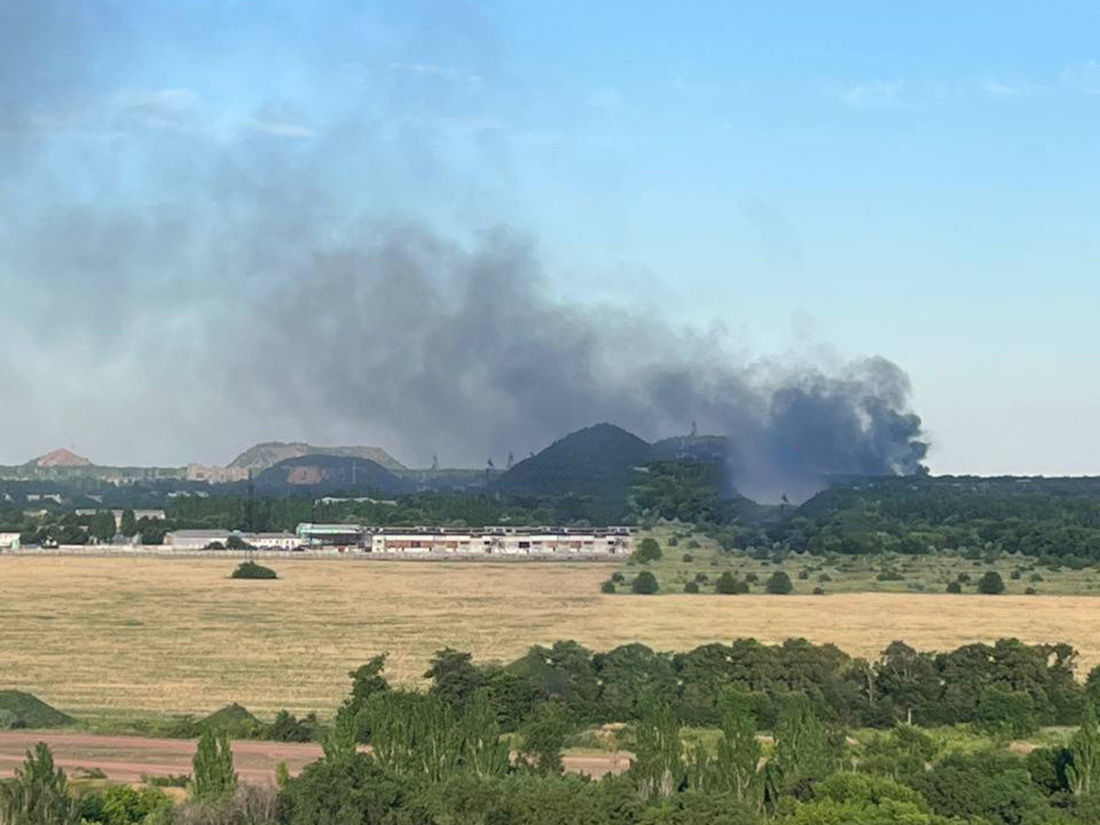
pixel 184 289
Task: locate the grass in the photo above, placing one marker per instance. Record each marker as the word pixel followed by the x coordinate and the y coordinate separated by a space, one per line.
pixel 119 637
pixel 29 711
pixel 889 573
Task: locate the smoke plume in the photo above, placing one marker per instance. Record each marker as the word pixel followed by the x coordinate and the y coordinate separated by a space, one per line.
pixel 189 281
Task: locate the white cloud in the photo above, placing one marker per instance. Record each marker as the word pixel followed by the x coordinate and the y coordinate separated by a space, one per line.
pixel 442 72
pixel 995 87
pixel 280 129
pixel 873 94
pixel 1084 77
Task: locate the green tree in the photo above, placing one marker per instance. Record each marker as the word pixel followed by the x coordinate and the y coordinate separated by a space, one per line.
pixel 779 583
pixel 732 769
pixel 991 583
pixel 658 768
pixel 728 584
pixel 123 805
pixel 128 526
pixel 648 550
pixel 213 773
pixel 454 677
pixel 805 750
pixel 1083 772
pixel 103 526
pixel 645 583
pixel 543 737
pixel 39 793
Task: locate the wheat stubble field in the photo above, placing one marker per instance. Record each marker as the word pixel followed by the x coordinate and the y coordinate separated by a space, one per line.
pixel 133 635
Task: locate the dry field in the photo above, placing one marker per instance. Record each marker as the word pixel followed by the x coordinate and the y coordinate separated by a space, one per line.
pixel 126 635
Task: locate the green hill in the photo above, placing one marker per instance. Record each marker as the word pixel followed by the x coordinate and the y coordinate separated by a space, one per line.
pixel 234 720
pixel 598 461
pixel 24 710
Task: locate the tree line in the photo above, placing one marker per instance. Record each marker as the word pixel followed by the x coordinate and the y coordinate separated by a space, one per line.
pixel 460 752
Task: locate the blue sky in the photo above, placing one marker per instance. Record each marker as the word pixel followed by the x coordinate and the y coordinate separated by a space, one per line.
pixel 914 180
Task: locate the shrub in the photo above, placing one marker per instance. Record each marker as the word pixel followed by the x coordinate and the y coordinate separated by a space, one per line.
pixel 701 577
pixel 673 541
pixel 250 570
pixel 819 591
pixel 693 545
pixel 728 585
pixel 824 577
pixel 607 587
pixel 752 578
pixel 1015 574
pixel 1030 591
pixel 1035 577
pixel 645 584
pixel 618 577
pixel 803 574
pixel 779 584
pixel 688 558
pixel 954 587
pixel 286 728
pixel 991 584
pixel 963 578
pixel 691 587
pixel 648 550
pixel 890 576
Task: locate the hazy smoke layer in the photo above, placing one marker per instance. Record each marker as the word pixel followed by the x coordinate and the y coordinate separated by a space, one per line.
pixel 460 351
pixel 189 279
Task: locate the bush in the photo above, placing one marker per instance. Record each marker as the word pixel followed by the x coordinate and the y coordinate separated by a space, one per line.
pixel 803 574
pixel 779 584
pixel 824 577
pixel 890 576
pixel 1030 591
pixel 648 550
pixel 954 587
pixel 286 728
pixel 819 591
pixel 963 578
pixel 701 577
pixel 250 570
pixel 1014 575
pixel 1035 577
pixel 693 545
pixel 673 541
pixel 752 578
pixel 607 587
pixel 728 585
pixel 688 558
pixel 991 584
pixel 645 584
pixel 618 577
pixel 691 587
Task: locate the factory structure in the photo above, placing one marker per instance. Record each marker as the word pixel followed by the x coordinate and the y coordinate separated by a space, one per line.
pixel 502 541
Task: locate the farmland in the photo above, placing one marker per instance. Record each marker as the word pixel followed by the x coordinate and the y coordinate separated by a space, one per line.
pixel 118 636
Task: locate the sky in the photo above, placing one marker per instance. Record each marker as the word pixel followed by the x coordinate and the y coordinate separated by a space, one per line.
pixel 805 183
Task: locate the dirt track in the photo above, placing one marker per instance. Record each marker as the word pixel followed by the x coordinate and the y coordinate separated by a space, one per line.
pixel 127 758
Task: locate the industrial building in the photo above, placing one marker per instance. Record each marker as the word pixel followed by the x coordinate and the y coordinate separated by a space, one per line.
pixel 195 539
pixel 9 541
pixel 504 541
pixel 201 539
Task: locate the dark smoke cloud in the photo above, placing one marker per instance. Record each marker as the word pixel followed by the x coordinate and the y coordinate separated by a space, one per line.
pixel 184 291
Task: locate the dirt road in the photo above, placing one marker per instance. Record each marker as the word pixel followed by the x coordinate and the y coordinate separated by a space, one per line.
pixel 128 758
